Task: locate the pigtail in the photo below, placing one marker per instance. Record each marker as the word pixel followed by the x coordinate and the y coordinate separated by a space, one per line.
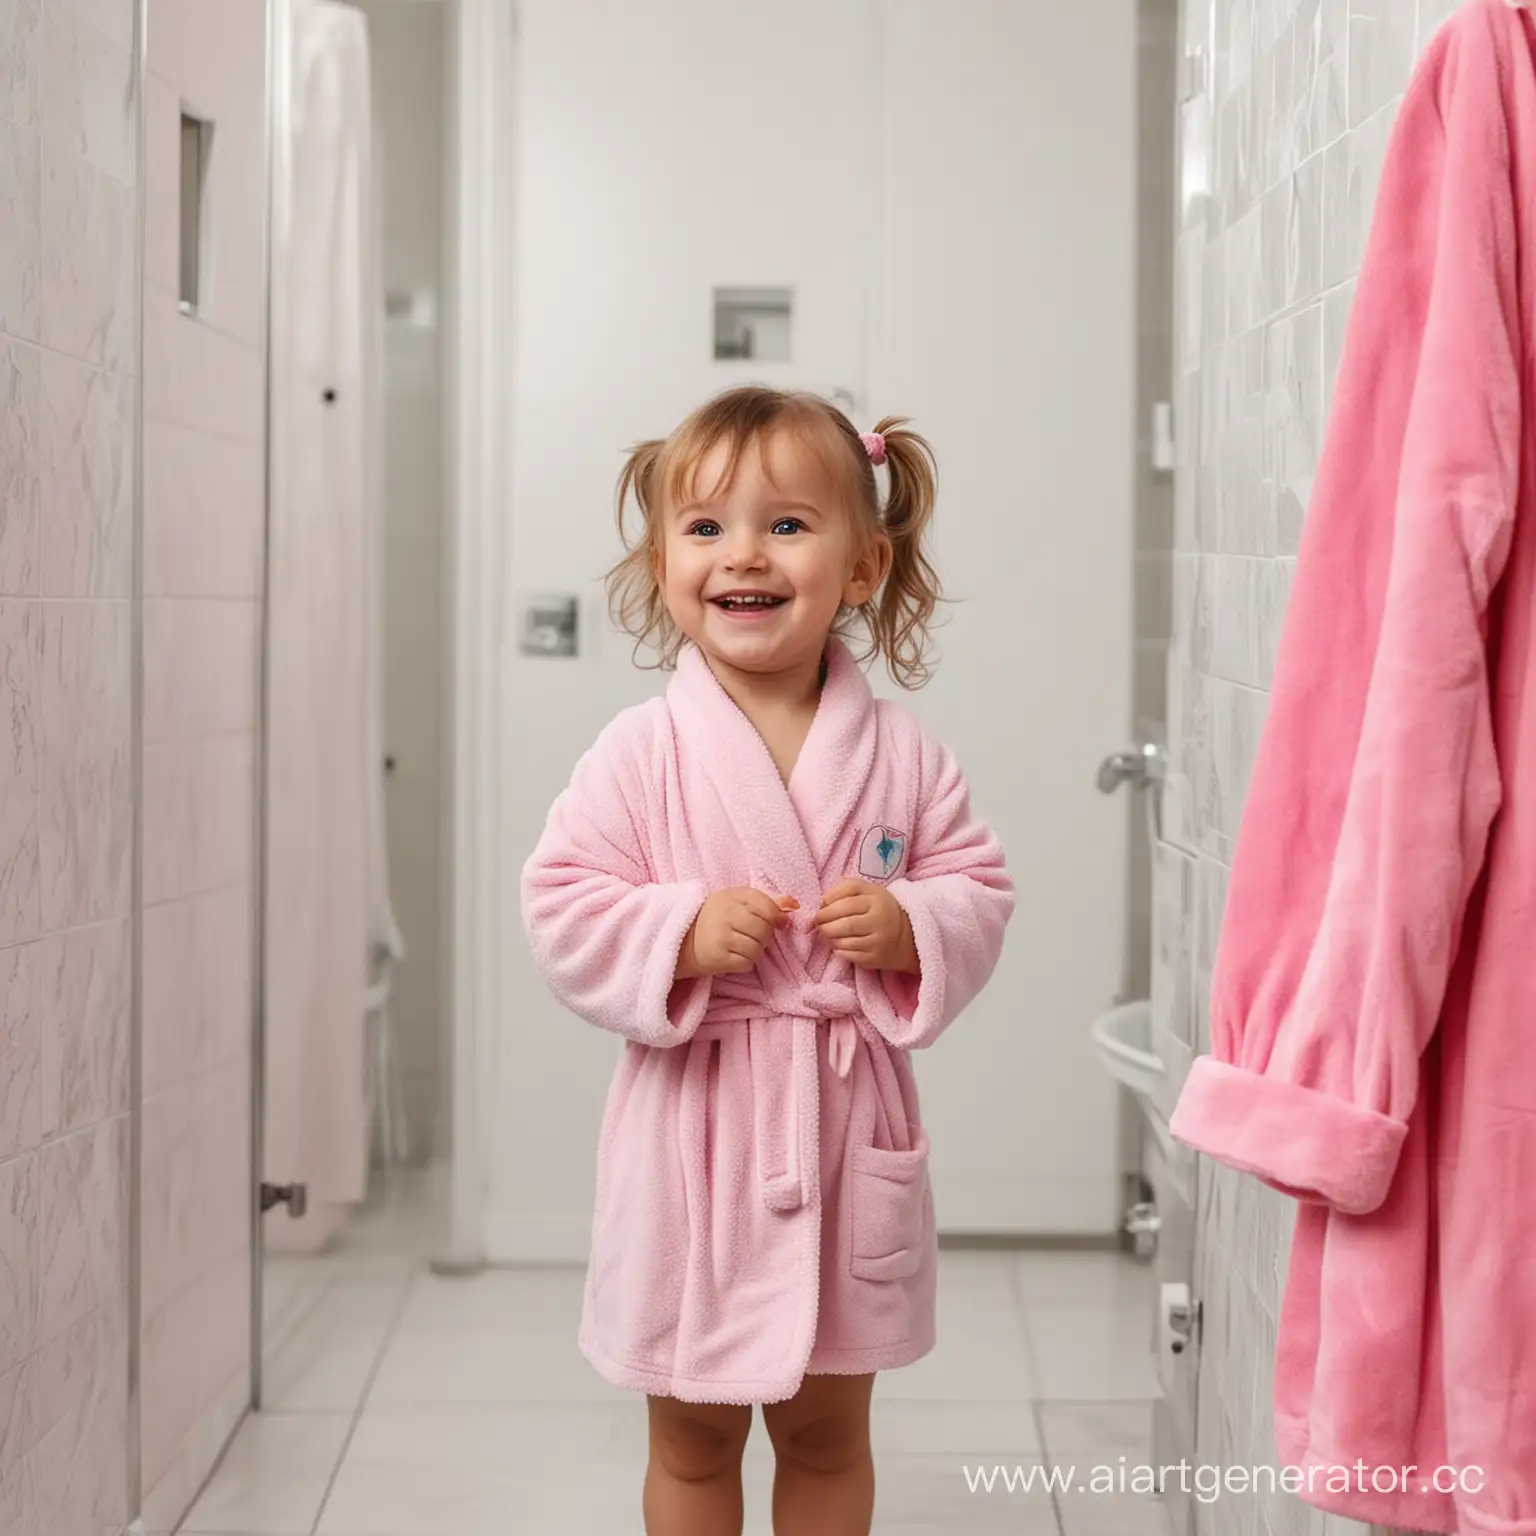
pixel 634 594
pixel 899 615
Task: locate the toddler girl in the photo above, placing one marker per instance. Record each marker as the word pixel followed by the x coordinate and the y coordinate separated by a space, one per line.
pixel 772 886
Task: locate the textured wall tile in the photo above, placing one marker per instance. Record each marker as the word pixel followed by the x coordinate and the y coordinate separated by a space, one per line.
pixel 1329 72
pixel 1191 291
pixel 200 668
pixel 1293 422
pixel 1381 54
pixel 21 252
pixel 1236 631
pixel 21 626
pixel 199 377
pixel 89 231
pixel 194 1347
pixel 87 481
pixel 1238 718
pixel 1244 516
pixel 1336 311
pixel 86 994
pixel 88 104
pixel 1244 274
pixel 82 1222
pixel 170 1194
pixel 1210 901
pixel 1351 176
pixel 197 985
pixel 86 822
pixel 20 1271
pixel 198 816
pixel 203 514
pixel 21 1051
pixel 1274 599
pixel 162 185
pixel 1433 14
pixel 113 19
pixel 1303 259
pixel 21 43
pixel 21 409
pixel 78 1384
pixel 1189 449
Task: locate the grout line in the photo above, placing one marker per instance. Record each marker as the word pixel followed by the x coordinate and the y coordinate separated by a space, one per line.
pixel 407 1288
pixel 119 375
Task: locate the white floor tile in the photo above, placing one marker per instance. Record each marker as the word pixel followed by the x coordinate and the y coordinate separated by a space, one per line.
pixel 1104 1430
pixel 926 1491
pixel 964 1367
pixel 954 1428
pixel 934 1491
pixel 982 1349
pixel 533 1298
pixel 1114 1515
pixel 273 1477
pixel 325 1359
pixel 483 1472
pixel 1086 1353
pixel 487 1365
pixel 1110 1278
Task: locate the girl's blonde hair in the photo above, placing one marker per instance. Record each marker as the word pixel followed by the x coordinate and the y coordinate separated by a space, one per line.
pixel 895 620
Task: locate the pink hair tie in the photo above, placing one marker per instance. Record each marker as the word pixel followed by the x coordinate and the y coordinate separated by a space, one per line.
pixel 874 446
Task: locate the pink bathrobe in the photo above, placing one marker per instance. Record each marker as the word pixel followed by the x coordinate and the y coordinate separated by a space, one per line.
pixel 763 1202
pixel 1373 1024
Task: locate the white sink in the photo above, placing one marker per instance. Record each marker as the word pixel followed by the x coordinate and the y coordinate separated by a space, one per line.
pixel 1123 1039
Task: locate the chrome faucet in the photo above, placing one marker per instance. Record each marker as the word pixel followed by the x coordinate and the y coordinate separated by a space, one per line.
pixel 1143 767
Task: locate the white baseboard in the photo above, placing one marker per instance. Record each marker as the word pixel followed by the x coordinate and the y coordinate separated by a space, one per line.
pixel 986 1206
pixel 1027 1206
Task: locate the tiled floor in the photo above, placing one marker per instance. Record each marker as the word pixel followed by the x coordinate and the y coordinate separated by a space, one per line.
pixel 403 1404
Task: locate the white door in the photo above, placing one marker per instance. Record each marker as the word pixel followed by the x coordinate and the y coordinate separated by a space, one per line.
pixel 1008 333
pixel 665 148
pixel 946 185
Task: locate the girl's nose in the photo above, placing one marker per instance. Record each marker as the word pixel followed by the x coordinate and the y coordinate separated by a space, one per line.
pixel 744 553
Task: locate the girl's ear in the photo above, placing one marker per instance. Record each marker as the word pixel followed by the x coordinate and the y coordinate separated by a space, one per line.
pixel 869 571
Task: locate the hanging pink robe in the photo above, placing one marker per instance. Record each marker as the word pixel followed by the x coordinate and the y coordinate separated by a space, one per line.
pixel 763 1201
pixel 1373 1029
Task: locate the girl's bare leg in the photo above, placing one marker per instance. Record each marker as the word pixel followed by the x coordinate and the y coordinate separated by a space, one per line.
pixel 693 1482
pixel 824 1483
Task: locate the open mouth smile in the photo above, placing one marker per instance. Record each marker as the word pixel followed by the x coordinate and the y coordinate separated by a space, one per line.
pixel 748 603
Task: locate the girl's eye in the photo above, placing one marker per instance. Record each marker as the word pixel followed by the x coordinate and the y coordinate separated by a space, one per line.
pixel 705 530
pixel 788 525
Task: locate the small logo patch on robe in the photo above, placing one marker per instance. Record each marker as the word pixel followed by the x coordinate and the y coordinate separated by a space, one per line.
pixel 882 853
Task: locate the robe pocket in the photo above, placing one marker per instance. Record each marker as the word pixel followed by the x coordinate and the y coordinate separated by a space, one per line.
pixel 888 1198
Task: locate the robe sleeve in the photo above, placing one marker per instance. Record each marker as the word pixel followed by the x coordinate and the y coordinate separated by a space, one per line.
pixel 1366 824
pixel 958 897
pixel 604 933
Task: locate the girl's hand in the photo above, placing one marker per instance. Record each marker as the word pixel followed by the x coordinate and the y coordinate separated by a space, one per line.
pixel 865 924
pixel 731 931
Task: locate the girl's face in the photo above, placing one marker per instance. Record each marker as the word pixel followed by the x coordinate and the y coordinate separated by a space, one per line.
pixel 756 574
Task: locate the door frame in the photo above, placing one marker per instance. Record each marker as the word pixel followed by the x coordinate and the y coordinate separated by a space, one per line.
pixel 476 212
pixel 477 372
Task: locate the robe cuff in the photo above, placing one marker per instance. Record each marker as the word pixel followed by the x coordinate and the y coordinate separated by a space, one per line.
pixel 672 1010
pixel 1301 1141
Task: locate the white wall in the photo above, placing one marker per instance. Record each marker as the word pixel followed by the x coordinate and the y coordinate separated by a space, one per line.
pixel 669 146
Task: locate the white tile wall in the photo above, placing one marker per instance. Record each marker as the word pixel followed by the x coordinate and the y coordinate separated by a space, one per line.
pixel 1279 162
pixel 67 325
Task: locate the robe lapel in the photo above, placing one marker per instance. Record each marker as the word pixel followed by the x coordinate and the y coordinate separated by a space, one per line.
pixel 833 769
pixel 787 832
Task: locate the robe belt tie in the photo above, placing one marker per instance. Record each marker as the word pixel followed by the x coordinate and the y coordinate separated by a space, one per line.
pixel 783 1066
